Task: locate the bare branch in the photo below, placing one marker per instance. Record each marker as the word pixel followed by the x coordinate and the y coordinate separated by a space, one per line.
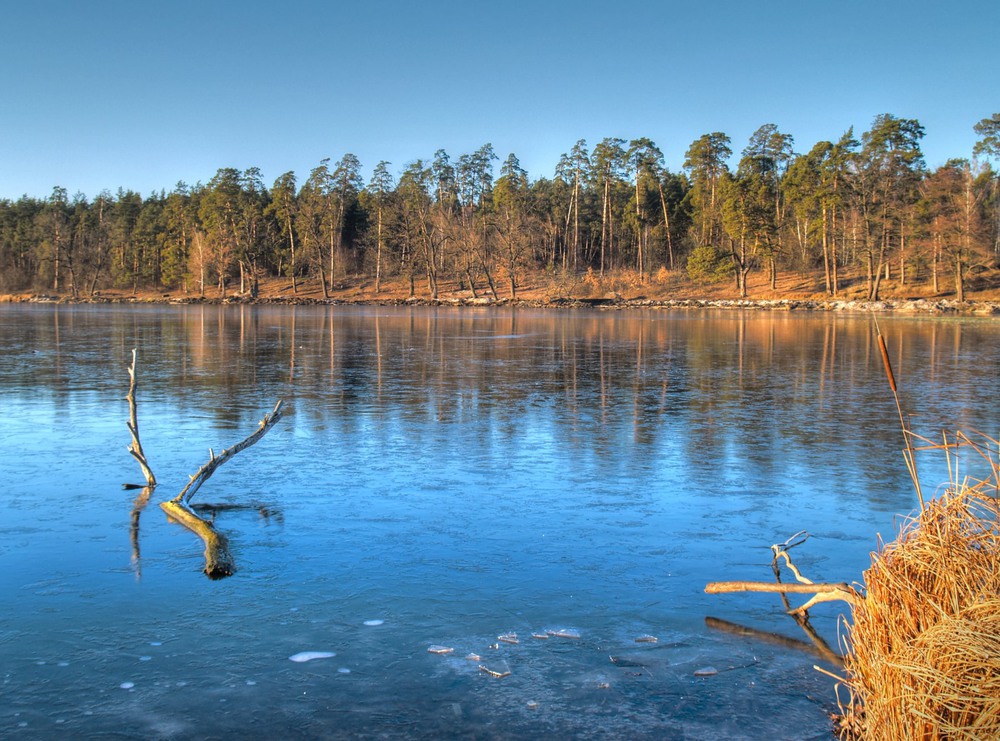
pixel 215 461
pixel 780 550
pixel 723 587
pixel 135 447
pixel 781 553
pixel 848 597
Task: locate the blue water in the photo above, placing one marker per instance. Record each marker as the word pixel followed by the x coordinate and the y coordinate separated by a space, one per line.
pixel 456 475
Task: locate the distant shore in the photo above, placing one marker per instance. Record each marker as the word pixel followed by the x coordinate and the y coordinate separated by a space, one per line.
pixel 934 306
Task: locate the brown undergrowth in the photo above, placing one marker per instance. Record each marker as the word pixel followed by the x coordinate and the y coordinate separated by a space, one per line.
pixel 552 286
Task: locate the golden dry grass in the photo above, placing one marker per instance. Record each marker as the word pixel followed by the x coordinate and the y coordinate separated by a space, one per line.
pixel 923 658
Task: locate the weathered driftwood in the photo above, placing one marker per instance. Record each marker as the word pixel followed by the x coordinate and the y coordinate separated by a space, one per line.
pixel 218 560
pixel 135 447
pixel 822 592
pixel 722 587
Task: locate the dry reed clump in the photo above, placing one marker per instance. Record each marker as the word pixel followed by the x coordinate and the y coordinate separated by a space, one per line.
pixel 924 647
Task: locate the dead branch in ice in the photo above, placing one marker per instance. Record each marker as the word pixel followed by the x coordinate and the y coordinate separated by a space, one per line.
pixel 135 447
pixel 136 451
pixel 821 592
pixel 218 560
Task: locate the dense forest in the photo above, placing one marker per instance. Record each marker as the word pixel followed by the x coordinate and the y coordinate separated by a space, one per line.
pixel 863 205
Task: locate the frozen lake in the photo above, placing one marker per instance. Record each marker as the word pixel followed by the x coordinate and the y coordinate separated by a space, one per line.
pixel 444 477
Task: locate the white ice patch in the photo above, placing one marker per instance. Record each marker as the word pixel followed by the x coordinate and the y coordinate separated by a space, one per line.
pixel 302 656
pixel 564 633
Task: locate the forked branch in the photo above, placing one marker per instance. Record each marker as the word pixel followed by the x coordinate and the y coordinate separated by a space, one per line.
pixel 218 561
pixel 822 592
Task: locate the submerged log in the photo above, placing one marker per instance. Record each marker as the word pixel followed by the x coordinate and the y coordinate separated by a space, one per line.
pixel 818 646
pixel 218 560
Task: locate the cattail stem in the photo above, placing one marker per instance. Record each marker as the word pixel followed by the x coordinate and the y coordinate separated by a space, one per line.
pixel 911 464
pixel 885 361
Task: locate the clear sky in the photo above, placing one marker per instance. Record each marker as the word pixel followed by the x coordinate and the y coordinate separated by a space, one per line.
pixel 105 94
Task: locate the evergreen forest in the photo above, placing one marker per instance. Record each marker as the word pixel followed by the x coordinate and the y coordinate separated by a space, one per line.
pixel 864 205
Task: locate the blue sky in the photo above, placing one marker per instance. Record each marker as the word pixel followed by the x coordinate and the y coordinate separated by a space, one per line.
pixel 103 94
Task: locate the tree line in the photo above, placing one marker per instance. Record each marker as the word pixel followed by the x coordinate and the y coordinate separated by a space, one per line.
pixel 860 204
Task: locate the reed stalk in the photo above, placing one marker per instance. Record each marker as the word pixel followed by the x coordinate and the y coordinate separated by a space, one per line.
pixel 911 464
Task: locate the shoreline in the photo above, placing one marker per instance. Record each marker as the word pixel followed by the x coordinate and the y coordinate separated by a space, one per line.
pixel 934 307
